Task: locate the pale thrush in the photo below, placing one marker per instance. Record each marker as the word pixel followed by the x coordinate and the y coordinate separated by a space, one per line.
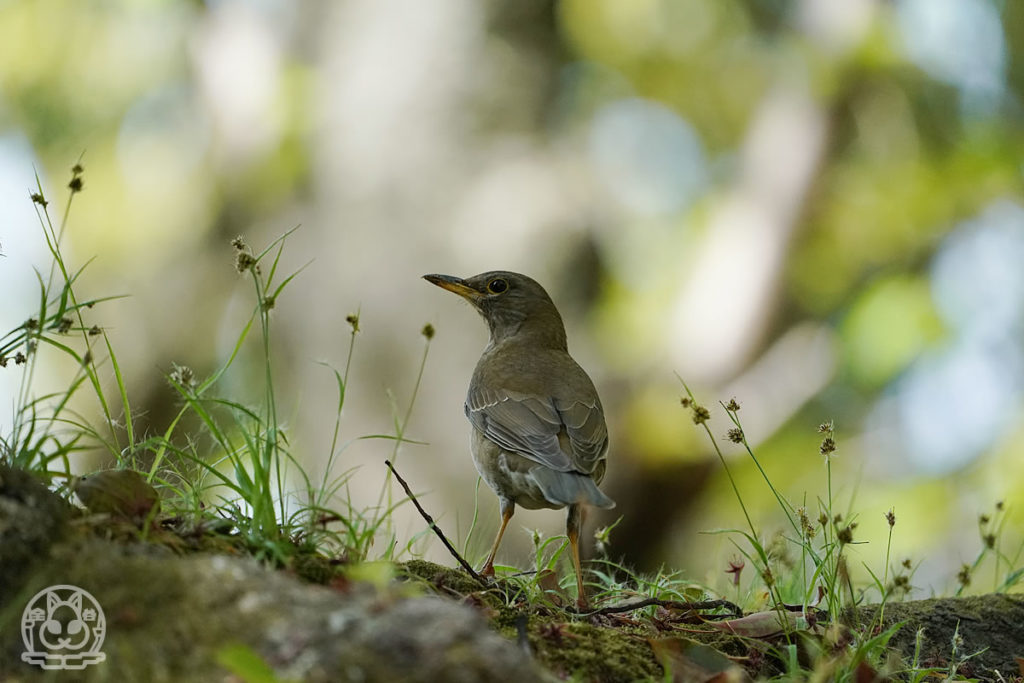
pixel 539 437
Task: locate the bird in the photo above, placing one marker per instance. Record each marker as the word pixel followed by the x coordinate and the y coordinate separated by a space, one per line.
pixel 539 437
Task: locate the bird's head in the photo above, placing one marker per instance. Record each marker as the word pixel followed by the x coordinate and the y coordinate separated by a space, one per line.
pixel 511 303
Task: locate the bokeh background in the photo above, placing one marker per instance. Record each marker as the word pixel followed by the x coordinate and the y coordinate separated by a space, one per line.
pixel 812 206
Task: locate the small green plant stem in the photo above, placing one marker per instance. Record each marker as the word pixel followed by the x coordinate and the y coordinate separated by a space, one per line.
pixel 270 459
pixel 828 480
pixel 998 521
pixel 412 400
pixel 53 239
pixel 400 427
pixel 786 507
pixel 272 456
pixel 762 555
pixel 476 516
pixel 342 380
pixel 732 481
pixel 192 397
pixel 885 580
pixel 343 387
pixel 805 547
pixel 834 598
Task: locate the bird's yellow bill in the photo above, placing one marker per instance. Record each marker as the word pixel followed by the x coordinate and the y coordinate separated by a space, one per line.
pixel 453 284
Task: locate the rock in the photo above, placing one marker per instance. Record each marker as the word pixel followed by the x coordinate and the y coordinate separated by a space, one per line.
pixel 990 630
pixel 173 618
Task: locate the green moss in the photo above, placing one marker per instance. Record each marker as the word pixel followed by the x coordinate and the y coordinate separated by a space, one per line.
pixel 450 582
pixel 448 577
pixel 592 653
pixel 314 567
pixel 564 643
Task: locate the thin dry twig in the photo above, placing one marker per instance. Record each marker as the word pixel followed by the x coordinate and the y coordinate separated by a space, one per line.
pixel 436 529
pixel 671 604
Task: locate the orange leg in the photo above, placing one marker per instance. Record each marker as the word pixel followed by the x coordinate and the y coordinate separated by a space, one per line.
pixel 572 529
pixel 507 509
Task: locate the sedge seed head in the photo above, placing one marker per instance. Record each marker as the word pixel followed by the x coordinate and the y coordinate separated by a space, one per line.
pixel 244 261
pixel 964 575
pixel 805 523
pixel 183 375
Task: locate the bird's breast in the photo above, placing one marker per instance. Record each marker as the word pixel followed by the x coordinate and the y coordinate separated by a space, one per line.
pixel 545 373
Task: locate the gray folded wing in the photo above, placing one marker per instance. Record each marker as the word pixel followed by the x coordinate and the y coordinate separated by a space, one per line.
pixel 563 435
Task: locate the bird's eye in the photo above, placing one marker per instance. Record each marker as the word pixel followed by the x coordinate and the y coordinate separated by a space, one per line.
pixel 497 286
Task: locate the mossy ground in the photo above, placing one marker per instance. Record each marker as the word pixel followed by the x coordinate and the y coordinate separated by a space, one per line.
pixel 178 568
pixel 570 645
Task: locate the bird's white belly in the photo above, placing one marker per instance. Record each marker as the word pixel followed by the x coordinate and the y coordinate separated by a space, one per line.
pixel 508 474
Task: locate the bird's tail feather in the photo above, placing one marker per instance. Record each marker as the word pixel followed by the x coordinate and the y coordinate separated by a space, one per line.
pixel 569 488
